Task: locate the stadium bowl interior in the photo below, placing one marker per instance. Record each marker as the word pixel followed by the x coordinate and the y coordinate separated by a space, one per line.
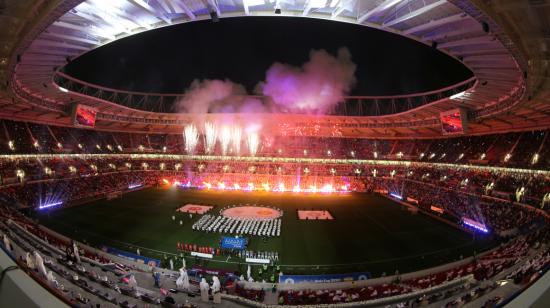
pixel 259 153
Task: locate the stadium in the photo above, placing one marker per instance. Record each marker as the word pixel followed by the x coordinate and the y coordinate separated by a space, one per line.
pixel 262 153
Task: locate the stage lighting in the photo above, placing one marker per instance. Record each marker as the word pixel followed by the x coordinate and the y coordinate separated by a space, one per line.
pixel 535 158
pixel 485 27
pixel 507 157
pixel 214 16
pixel 47 205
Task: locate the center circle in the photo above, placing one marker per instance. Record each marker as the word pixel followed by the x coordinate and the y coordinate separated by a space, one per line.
pixel 251 212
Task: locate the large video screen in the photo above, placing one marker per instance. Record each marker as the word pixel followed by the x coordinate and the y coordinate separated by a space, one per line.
pixel 84 116
pixel 453 121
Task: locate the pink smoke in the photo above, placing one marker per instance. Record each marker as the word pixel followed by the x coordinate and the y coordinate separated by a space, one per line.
pixel 316 87
pixel 203 96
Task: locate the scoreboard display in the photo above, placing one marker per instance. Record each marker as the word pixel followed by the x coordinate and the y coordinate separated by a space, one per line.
pixel 454 121
pixel 84 116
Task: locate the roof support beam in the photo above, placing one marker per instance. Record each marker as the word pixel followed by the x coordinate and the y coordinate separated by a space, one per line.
pixel 71 26
pixel 343 5
pixel 414 13
pixel 245 5
pixel 151 10
pixel 436 23
pixel 465 28
pixel 214 5
pixel 72 38
pixel 180 7
pixel 307 7
pixel 381 7
pixel 469 41
pixel 58 45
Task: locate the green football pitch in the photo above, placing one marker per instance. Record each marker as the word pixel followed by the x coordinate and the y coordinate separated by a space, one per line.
pixel 368 233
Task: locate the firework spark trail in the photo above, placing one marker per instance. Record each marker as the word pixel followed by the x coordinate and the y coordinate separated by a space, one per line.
pixel 253 143
pixel 210 136
pixel 236 135
pixel 225 139
pixel 191 136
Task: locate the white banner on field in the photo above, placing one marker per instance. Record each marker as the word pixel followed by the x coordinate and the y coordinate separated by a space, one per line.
pixel 202 255
pixel 255 260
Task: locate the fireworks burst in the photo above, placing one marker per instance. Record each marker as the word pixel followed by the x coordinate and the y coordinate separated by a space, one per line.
pixel 236 135
pixel 225 139
pixel 210 135
pixel 191 136
pixel 253 143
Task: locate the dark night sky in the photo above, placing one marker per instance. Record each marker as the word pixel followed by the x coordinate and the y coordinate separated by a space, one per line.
pixel 242 49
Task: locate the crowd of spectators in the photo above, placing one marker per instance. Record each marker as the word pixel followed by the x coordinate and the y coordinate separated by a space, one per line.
pixel 521 149
pixel 498 215
pixel 482 268
pixel 89 280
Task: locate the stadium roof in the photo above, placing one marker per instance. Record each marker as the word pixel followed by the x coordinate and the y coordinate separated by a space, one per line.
pixel 504 44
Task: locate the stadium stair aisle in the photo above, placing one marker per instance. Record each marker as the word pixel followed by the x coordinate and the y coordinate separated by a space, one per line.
pixel 271 298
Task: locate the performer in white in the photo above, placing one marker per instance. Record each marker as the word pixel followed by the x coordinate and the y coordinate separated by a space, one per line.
pixel 248 271
pixel 183 280
pixel 183 263
pixel 216 288
pixel 40 263
pixel 7 244
pixel 51 277
pixel 30 262
pixel 204 290
pixel 76 254
pixel 132 281
pixel 171 264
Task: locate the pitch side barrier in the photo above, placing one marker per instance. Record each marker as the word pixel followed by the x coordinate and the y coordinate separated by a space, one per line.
pixel 267 159
pixel 369 303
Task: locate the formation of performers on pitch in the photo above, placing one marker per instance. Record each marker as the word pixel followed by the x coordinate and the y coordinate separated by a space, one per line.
pixel 258 227
pixel 243 254
pixel 269 255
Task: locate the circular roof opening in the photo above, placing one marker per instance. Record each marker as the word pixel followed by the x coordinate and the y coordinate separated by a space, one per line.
pixel 242 50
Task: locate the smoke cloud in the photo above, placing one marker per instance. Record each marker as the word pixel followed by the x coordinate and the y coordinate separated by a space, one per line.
pixel 318 85
pixel 315 87
pixel 203 96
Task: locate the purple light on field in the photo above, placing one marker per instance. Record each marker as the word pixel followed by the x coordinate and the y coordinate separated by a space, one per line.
pixel 47 205
pixel 396 196
pixel 134 186
pixel 474 224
